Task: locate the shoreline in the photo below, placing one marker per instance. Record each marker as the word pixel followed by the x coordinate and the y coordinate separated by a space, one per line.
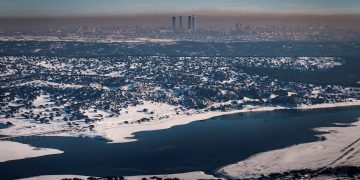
pixel 127 133
pixel 115 131
pixel 186 175
pixel 341 147
pixel 218 173
pixel 14 151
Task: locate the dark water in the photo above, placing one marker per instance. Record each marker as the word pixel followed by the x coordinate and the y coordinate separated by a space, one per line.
pixel 3 126
pixel 199 146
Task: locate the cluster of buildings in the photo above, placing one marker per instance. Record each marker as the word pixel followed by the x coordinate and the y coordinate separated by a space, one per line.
pixel 191 24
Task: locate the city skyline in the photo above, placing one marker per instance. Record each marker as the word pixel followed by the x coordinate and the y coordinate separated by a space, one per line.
pixel 48 8
pixel 164 20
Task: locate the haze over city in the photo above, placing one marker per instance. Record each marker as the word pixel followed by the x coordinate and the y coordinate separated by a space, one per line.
pixel 157 12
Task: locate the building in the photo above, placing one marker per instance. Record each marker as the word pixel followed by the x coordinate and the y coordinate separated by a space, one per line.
pixel 189 23
pixel 238 26
pixel 193 25
pixel 173 22
pixel 180 23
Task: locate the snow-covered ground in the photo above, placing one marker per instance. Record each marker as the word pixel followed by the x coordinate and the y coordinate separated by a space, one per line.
pixel 40 83
pixel 184 176
pixel 351 102
pixel 188 175
pixel 119 128
pixel 341 148
pixel 55 177
pixel 125 133
pixel 14 150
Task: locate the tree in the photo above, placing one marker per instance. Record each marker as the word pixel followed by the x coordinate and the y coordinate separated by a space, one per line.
pixel 9 123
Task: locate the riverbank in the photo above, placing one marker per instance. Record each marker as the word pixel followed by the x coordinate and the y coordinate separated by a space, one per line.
pixel 122 128
pixel 340 147
pixel 14 151
pixel 188 175
pixel 125 133
pixel 268 124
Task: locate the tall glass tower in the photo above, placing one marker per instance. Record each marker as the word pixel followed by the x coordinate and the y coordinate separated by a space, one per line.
pixel 173 23
pixel 189 23
pixel 193 26
pixel 180 23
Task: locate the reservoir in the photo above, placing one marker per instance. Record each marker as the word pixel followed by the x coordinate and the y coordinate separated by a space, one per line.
pixel 198 146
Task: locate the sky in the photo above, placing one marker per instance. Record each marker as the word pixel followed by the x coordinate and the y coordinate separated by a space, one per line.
pixel 48 8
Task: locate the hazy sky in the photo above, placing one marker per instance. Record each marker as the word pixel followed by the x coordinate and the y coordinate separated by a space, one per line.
pixel 113 7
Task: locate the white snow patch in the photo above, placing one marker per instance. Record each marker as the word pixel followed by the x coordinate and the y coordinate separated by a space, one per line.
pixel 246 99
pixel 349 102
pixel 291 93
pixel 114 74
pixel 14 150
pixel 41 83
pixel 272 96
pixel 55 177
pixel 182 176
pixel 42 100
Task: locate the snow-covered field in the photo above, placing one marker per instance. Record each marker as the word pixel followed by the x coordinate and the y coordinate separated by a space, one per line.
pixel 341 148
pixel 121 128
pixel 352 102
pixel 14 150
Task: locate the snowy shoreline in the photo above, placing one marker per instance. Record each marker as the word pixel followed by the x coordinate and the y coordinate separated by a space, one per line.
pixel 115 131
pixel 264 163
pixel 187 175
pixel 340 147
pixel 14 151
pixel 124 134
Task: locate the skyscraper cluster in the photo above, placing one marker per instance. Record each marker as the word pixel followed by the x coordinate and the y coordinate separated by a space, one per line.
pixel 190 28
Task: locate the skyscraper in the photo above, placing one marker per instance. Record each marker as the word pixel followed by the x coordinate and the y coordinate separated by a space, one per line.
pixel 180 23
pixel 238 26
pixel 173 23
pixel 189 23
pixel 193 25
